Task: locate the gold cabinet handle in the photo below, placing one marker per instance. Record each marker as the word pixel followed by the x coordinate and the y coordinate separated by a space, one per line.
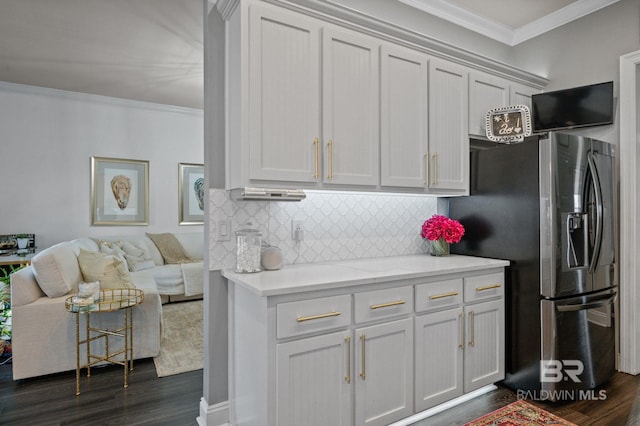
pixel 471 328
pixel 316 144
pixel 347 378
pixel 426 164
pixel 435 168
pixel 363 339
pixel 440 296
pixel 461 325
pixel 330 145
pixel 315 317
pixel 488 287
pixel 386 305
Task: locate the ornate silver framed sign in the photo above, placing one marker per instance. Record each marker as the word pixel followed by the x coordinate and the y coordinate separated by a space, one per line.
pixel 508 124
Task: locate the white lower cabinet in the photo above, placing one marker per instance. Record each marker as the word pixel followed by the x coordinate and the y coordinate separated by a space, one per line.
pixel 366 354
pixel 384 372
pixel 313 384
pixel 469 341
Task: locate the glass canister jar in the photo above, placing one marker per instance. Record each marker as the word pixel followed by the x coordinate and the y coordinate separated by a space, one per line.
pixel 248 248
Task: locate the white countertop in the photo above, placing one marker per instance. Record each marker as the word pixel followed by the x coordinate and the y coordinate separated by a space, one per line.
pixel 300 278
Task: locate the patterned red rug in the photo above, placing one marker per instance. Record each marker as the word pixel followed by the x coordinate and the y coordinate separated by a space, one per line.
pixel 520 413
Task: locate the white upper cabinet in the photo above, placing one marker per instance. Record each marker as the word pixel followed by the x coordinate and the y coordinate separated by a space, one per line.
pixel 403 116
pixel 350 107
pixel 487 92
pixel 284 90
pixel 448 128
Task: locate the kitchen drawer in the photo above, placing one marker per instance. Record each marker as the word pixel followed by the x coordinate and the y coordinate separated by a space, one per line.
pixel 438 295
pixel 483 287
pixel 391 302
pixel 308 316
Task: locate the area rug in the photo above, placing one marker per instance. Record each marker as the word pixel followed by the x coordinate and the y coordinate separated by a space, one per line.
pixel 520 413
pixel 182 345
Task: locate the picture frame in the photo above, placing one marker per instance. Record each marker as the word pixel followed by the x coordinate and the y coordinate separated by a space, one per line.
pixel 119 191
pixel 191 188
pixel 508 124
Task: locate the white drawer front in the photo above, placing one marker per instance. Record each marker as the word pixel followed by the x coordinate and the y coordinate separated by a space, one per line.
pixel 438 295
pixel 483 287
pixel 307 316
pixel 391 302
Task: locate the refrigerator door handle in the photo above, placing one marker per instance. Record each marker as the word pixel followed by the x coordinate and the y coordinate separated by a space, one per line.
pixel 596 303
pixel 597 190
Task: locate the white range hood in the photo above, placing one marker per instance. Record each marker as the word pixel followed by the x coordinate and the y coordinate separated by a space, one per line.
pixel 266 194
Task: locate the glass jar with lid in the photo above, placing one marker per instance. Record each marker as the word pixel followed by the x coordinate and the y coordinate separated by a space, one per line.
pixel 248 247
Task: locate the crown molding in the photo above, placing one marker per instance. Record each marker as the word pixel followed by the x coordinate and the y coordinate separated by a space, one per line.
pixel 226 7
pixel 504 33
pixel 558 18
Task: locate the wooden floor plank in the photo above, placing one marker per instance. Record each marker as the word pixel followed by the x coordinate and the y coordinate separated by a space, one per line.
pixel 174 400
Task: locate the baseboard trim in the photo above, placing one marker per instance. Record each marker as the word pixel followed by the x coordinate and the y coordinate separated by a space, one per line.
pixel 444 406
pixel 213 415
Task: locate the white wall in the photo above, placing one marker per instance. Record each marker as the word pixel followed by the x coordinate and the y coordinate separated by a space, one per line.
pixel 47 138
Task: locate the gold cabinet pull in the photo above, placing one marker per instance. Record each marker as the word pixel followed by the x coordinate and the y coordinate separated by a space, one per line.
pixel 315 317
pixel 440 296
pixel 386 305
pixel 471 329
pixel 488 287
pixel 330 145
pixel 316 144
pixel 363 339
pixel 426 164
pixel 347 378
pixel 435 168
pixel 461 325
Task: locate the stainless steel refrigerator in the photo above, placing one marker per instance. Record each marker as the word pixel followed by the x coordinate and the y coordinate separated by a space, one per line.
pixel 548 206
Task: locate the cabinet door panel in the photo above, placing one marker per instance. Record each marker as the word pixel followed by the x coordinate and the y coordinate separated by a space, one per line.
pixel 448 127
pixel 484 357
pixel 439 356
pixel 403 116
pixel 384 381
pixel 311 385
pixel 485 93
pixel 521 95
pixel 284 91
pixel 350 108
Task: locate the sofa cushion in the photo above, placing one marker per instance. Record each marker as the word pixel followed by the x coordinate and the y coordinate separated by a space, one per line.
pixel 170 248
pixel 106 268
pixel 56 270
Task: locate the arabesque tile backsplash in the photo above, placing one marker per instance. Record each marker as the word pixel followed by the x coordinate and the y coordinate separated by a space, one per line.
pixel 337 225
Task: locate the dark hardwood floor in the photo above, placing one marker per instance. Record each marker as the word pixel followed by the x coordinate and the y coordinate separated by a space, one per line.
pixel 149 400
pixel 174 400
pixel 621 406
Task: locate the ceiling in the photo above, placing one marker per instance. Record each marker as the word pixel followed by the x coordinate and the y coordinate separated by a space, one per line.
pixel 152 50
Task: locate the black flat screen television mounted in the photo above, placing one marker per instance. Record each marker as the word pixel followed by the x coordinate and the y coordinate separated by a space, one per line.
pixel 583 106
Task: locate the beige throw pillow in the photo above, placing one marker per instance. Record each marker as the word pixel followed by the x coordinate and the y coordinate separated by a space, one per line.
pixel 137 258
pixel 170 248
pixel 106 268
pixel 114 248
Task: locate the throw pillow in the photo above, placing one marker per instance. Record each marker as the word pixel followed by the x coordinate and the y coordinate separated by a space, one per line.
pixel 106 268
pixel 56 270
pixel 114 248
pixel 137 257
pixel 170 248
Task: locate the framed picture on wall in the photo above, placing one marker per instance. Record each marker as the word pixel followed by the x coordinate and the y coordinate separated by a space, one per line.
pixel 119 191
pixel 191 189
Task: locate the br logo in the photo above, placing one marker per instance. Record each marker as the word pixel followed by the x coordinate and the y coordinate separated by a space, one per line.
pixel 555 371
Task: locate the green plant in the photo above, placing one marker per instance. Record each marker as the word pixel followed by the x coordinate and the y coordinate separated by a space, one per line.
pixel 5 300
pixel 22 235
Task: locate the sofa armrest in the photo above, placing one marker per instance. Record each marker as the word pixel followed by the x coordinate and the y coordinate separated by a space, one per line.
pixel 24 287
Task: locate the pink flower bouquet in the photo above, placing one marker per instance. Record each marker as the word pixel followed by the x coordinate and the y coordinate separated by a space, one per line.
pixel 441 229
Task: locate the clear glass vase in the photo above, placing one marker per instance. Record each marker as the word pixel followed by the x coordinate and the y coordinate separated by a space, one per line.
pixel 439 247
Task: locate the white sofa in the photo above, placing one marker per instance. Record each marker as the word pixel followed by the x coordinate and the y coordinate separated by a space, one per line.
pixel 43 332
